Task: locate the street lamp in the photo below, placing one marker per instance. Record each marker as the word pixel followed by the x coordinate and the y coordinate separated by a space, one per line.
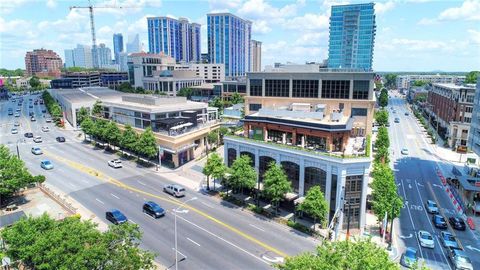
pixel 175 211
pixel 18 141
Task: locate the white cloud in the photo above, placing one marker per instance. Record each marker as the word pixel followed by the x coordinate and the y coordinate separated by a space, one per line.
pixel 381 8
pixel 426 21
pixel 469 10
pixel 224 4
pixel 259 9
pixel 312 39
pixel 13 26
pixel 474 36
pixel 76 20
pixel 308 21
pixel 7 6
pixel 260 27
pixel 282 51
pixel 51 4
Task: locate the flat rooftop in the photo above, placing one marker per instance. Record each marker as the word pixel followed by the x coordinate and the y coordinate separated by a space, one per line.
pixel 455 86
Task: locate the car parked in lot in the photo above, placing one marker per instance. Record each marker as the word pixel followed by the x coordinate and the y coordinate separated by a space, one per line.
pixel 28 135
pixel 448 240
pixel 457 223
pixel 46 164
pixel 174 190
pixel 431 207
pixel 404 151
pixel 409 257
pixel 60 139
pixel 37 151
pixel 116 217
pixel 153 209
pixel 439 221
pixel 425 239
pixel 115 163
pixel 37 139
pixel 460 260
pixel 14 131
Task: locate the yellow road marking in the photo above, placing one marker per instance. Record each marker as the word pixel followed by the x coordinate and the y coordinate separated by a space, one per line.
pixel 452 231
pixel 115 182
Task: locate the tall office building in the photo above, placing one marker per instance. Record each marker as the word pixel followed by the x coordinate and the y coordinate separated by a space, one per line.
pixel 229 42
pixel 352 36
pixel 133 44
pixel 117 45
pixel 41 62
pixel 176 38
pixel 81 56
pixel 104 56
pixel 69 58
pixel 256 56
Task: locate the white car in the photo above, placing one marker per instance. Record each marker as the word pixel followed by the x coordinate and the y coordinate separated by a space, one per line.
pixel 17 114
pixel 404 151
pixel 174 190
pixel 14 131
pixel 115 163
pixel 425 239
pixel 37 139
pixel 17 124
pixel 48 120
pixel 37 151
pixel 45 129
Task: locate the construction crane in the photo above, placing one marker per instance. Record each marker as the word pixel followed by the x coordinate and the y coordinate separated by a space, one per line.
pixel 90 8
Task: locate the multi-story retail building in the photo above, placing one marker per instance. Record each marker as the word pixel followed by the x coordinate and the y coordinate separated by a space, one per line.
pixel 404 82
pixel 41 63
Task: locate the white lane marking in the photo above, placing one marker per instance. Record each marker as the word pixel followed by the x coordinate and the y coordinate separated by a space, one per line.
pixel 99 201
pixel 258 228
pixel 411 219
pixel 141 183
pixel 274 260
pixel 180 253
pixel 206 204
pixel 193 241
pixel 115 196
pixel 132 221
pixel 224 240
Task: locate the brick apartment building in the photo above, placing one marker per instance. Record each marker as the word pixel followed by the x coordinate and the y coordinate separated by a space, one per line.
pixel 42 63
pixel 450 108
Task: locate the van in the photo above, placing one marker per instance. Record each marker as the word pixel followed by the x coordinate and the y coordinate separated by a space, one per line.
pixel 174 190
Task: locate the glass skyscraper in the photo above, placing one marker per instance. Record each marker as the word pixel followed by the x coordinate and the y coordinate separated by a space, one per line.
pixel 176 38
pixel 229 42
pixel 117 45
pixel 352 36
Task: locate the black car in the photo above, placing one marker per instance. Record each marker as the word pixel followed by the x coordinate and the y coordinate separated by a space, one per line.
pixel 153 209
pixel 439 222
pixel 44 111
pixel 60 139
pixel 28 135
pixel 457 223
pixel 116 217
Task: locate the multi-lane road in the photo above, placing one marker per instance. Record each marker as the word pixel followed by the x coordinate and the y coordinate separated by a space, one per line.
pixel 418 182
pixel 211 234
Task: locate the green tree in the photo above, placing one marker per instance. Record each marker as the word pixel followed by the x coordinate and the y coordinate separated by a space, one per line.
pixel 391 80
pixel 242 174
pixel 420 98
pixel 44 243
pixel 100 129
pixel 383 99
pixel 97 108
pixel 214 167
pixel 129 139
pixel 126 87
pixel 236 98
pixel 87 127
pixel 147 144
pixel 13 174
pixel 185 92
pixel 218 103
pixel 382 138
pixel 11 73
pixel 472 76
pixel 82 114
pixel 339 255
pixel 113 134
pixel 419 83
pixel 315 205
pixel 384 193
pixel 275 183
pixel 212 137
pixel 381 116
pixel 34 82
pixel 222 131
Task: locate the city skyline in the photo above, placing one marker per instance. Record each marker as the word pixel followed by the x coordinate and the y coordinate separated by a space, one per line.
pixel 411 35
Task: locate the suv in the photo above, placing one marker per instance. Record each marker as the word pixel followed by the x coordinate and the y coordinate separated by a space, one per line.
pixel 153 209
pixel 36 151
pixel 115 163
pixel 174 190
pixel 116 217
pixel 460 260
pixel 439 221
pixel 431 207
pixel 37 139
pixel 448 240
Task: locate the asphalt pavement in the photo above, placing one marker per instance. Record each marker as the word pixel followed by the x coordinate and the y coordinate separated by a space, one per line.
pixel 211 234
pixel 417 182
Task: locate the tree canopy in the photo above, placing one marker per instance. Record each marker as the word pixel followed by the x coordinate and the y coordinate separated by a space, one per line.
pixel 34 82
pixel 383 99
pixel 44 243
pixel 341 255
pixel 129 139
pixel 472 77
pixel 384 193
pixel 315 205
pixel 147 144
pixel 97 108
pixel 391 80
pixel 275 183
pixel 242 174
pixel 185 92
pixel 13 174
pixel 82 114
pixel 419 83
pixel 214 167
pixel 236 98
pixel 381 116
pixel 11 73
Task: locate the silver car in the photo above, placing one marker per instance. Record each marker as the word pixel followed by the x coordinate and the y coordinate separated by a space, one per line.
pixel 460 260
pixel 425 239
pixel 174 190
pixel 431 207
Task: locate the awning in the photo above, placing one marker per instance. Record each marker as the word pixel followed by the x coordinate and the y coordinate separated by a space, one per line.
pixel 181 126
pixel 290 196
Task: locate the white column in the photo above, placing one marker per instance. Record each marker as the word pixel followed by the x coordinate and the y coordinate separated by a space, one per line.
pixel 328 187
pixel 342 174
pixel 350 94
pixel 290 88
pixel 363 201
pixel 301 181
pixel 284 138
pixel 303 141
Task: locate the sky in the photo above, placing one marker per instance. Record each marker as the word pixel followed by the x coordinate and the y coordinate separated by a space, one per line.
pixel 412 35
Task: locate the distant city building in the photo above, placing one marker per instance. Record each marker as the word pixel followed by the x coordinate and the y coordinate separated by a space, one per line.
pixel 122 61
pixel 404 82
pixel 41 62
pixel 113 79
pixel 104 56
pixel 292 67
pixel 228 88
pixel 450 108
pixel 474 137
pixel 133 44
pixel 204 58
pixel 210 73
pixel 229 43
pixel 81 56
pixel 176 38
pixel 84 78
pixel 352 36
pixel 141 65
pixel 117 45
pixel 256 56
